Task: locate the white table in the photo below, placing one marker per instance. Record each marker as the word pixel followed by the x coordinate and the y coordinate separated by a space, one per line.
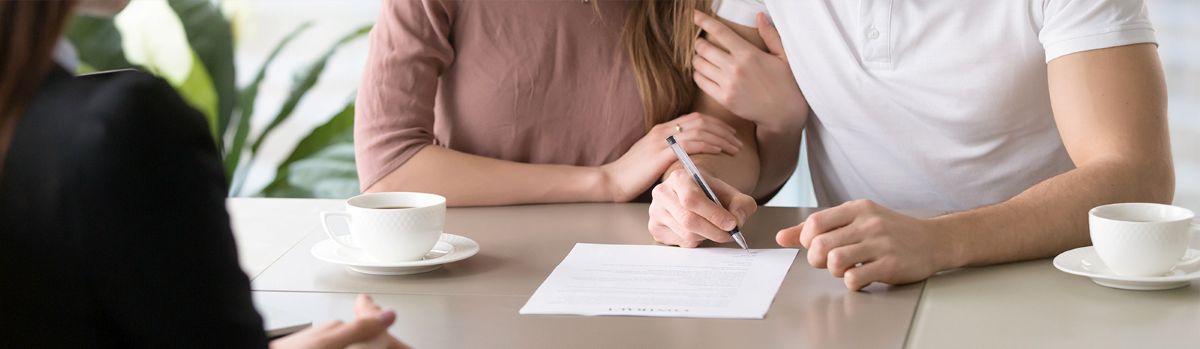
pixel 474 303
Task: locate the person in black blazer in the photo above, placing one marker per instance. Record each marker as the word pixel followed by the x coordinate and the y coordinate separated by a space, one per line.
pixel 113 229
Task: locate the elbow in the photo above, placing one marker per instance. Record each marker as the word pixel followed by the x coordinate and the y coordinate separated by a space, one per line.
pixel 1154 182
pixel 1162 188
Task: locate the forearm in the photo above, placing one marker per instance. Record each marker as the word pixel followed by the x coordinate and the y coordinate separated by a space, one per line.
pixel 739 170
pixel 778 152
pixel 1051 217
pixel 470 180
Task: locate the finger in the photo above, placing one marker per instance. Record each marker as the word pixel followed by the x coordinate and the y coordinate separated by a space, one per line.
pixel 821 245
pixel 708 122
pixel 710 137
pixel 790 236
pixel 691 147
pixel 672 232
pixel 721 34
pixel 862 276
pixel 693 198
pixel 742 206
pixel 709 71
pixel 688 223
pixel 770 35
pixel 844 258
pixel 364 305
pixel 714 55
pixel 663 234
pixel 362 329
pixel 707 85
pixel 658 216
pixel 825 221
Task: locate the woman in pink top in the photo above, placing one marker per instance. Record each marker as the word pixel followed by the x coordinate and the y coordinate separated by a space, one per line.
pixel 512 102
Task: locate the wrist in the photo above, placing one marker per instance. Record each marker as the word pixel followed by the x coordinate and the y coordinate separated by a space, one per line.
pixel 599 185
pixel 791 124
pixel 954 247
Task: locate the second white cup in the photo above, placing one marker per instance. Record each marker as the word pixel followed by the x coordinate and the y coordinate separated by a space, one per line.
pixel 391 227
pixel 1141 239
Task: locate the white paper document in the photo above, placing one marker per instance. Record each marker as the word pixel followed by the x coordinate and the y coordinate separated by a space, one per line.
pixel 643 280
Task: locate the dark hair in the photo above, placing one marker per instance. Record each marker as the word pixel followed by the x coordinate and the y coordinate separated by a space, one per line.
pixel 29 31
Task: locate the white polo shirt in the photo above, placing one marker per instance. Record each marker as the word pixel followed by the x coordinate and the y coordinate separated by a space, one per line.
pixel 935 104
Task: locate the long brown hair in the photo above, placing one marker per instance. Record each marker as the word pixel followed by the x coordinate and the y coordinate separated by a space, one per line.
pixel 660 38
pixel 28 32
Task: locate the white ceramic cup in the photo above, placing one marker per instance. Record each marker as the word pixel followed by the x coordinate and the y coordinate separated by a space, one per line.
pixel 387 233
pixel 1141 239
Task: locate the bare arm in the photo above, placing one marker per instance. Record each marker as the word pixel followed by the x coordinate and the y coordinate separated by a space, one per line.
pixel 746 71
pixel 1111 109
pixel 471 180
pixel 742 170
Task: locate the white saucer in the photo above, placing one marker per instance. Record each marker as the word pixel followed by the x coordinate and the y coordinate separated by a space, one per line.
pixel 1085 262
pixel 449 248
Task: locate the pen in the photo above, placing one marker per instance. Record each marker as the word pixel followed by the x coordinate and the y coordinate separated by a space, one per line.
pixel 695 172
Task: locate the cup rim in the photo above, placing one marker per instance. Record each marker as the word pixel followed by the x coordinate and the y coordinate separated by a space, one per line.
pixel 425 200
pixel 1095 212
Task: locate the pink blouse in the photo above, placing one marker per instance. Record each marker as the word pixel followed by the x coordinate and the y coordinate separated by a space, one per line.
pixel 544 82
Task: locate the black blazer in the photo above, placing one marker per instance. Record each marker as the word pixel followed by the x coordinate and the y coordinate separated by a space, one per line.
pixel 113 230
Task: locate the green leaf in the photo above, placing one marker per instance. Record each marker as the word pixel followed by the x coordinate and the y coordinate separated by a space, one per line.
pixel 197 91
pixel 322 164
pixel 249 95
pixel 98 43
pixel 210 36
pixel 302 83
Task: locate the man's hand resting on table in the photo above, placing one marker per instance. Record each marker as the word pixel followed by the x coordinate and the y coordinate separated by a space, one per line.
pixel 864 242
pixel 859 241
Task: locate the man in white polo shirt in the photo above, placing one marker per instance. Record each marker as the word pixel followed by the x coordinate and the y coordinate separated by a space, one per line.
pixel 1008 120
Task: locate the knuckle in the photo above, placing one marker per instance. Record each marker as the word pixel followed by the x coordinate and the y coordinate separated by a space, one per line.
pixel 835 259
pixel 659 190
pixel 873 224
pixel 692 222
pixel 818 244
pixel 853 279
pixel 689 200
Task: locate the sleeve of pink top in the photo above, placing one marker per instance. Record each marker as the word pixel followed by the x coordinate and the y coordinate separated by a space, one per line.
pixel 394 110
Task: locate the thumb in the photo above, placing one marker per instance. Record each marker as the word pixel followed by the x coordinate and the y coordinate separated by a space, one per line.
pixel 742 206
pixel 361 330
pixel 770 36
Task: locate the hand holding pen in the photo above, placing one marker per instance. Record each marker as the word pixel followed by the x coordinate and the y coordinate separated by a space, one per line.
pixel 683 214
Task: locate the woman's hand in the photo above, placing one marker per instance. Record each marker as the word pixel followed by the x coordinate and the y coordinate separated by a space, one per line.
pixel 755 85
pixel 682 215
pixel 369 330
pixel 645 162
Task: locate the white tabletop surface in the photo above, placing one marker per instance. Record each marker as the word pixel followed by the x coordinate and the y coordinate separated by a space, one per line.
pixel 474 303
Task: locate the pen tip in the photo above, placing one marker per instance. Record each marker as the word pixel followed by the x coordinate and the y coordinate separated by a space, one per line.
pixel 741 241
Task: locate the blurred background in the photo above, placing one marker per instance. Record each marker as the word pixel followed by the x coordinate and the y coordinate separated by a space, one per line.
pixel 277 78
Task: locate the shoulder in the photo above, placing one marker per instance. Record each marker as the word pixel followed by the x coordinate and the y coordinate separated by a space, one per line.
pixel 123 113
pixel 130 102
pixel 129 123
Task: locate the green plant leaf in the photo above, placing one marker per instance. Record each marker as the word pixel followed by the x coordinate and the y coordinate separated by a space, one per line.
pixel 98 43
pixel 304 81
pixel 248 96
pixel 211 38
pixel 322 164
pixel 197 90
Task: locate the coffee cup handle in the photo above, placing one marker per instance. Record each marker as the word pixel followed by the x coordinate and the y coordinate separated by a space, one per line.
pixel 1195 261
pixel 332 236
